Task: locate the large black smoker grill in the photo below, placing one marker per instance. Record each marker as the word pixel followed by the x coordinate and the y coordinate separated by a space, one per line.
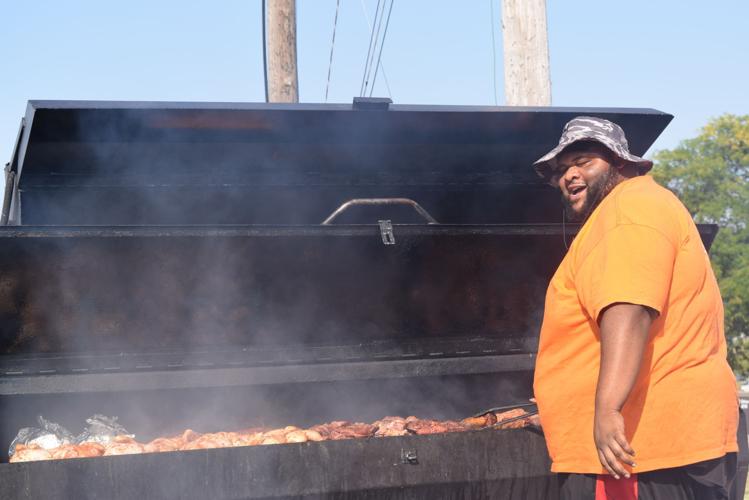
pixel 168 263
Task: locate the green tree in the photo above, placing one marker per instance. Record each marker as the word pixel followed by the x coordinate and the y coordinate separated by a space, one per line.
pixel 710 174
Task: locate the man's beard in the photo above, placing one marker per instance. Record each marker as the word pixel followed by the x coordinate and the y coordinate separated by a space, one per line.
pixel 597 191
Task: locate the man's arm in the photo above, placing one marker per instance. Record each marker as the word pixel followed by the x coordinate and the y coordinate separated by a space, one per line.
pixel 624 334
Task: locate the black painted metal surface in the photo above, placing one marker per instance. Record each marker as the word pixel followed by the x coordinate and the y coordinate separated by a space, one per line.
pixel 281 288
pixel 502 465
pixel 233 163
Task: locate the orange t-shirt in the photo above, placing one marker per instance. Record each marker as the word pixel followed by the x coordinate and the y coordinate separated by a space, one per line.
pixel 639 246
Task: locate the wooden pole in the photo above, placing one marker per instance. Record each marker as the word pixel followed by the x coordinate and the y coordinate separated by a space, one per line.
pixel 526 53
pixel 281 80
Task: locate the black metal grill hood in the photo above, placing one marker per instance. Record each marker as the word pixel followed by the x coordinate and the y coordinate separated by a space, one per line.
pixel 117 163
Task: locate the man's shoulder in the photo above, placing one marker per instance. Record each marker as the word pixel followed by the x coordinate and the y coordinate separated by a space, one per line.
pixel 643 192
pixel 644 202
pixel 641 202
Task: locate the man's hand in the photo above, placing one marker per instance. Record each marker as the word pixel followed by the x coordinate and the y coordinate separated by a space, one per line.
pixel 613 449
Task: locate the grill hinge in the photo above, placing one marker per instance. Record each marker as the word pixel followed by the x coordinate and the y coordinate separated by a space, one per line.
pixel 386 231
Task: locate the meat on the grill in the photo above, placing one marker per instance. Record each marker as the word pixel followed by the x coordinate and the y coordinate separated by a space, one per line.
pixel 248 438
pixel 485 420
pixel 29 453
pixel 163 444
pixel 87 449
pixel 350 431
pixel 123 445
pixel 342 429
pixel 391 426
pixel 313 435
pixel 296 437
pixel 422 426
pixel 211 440
pixel 512 414
pixel 191 440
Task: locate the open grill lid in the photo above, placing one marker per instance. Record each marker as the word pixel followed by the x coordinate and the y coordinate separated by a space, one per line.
pixel 161 229
pixel 131 163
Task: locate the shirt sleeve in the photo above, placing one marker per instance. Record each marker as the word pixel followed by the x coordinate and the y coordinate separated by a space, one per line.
pixel 632 263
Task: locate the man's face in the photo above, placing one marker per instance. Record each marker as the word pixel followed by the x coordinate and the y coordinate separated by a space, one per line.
pixel 585 177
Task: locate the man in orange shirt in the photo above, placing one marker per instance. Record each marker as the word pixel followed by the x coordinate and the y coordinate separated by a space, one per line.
pixel 634 392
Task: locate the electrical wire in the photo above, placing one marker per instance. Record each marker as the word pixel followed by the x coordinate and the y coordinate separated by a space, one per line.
pixel 494 52
pixel 265 50
pixel 382 44
pixel 369 49
pixel 382 65
pixel 564 229
pixel 378 21
pixel 332 45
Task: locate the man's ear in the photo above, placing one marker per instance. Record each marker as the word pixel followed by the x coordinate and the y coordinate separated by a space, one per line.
pixel 626 168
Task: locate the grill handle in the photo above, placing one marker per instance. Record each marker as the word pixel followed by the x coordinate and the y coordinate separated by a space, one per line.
pixel 380 202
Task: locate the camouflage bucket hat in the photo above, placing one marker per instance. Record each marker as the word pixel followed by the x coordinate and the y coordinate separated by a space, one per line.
pixel 588 128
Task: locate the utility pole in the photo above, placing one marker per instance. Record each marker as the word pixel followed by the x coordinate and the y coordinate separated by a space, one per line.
pixel 281 80
pixel 526 53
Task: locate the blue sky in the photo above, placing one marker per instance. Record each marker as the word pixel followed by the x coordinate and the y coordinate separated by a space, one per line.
pixel 684 57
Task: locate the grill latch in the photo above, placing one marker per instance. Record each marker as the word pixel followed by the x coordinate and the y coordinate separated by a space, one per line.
pixel 386 231
pixel 409 457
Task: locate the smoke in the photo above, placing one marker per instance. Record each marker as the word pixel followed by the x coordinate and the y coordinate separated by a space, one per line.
pixel 248 279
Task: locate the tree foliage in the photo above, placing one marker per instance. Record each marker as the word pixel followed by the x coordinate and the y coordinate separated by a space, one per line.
pixel 710 174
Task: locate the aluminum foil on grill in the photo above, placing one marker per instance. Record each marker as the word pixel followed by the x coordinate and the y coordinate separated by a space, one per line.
pixel 48 435
pixel 102 429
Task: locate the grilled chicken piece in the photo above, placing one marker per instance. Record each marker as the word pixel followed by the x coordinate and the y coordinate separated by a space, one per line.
pixel 189 435
pixel 90 449
pixel 253 430
pixel 391 426
pixel 123 439
pixel 87 449
pixel 64 451
pixel 159 445
pixel 277 435
pixel 29 453
pixel 296 437
pixel 313 435
pixel 123 447
pixel 506 415
pixel 419 426
pixel 534 420
pixel 341 429
pixel 248 439
pixel 322 430
pixel 481 421
pixel 351 431
pixel 211 440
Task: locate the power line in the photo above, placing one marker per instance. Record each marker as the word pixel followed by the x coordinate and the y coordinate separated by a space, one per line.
pixel 494 52
pixel 382 44
pixel 332 44
pixel 369 49
pixel 265 50
pixel 382 65
pixel 378 21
